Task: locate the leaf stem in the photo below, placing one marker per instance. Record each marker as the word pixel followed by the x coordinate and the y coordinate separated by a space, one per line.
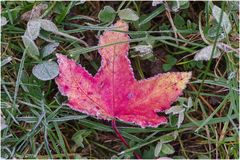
pixel 122 139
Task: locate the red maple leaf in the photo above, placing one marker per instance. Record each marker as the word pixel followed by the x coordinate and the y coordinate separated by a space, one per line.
pixel 114 92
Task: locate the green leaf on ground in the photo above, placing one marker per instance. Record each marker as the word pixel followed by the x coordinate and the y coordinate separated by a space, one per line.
pixel 226 24
pixel 107 14
pixel 128 14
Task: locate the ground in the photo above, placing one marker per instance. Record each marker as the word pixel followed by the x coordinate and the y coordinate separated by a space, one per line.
pixel 175 36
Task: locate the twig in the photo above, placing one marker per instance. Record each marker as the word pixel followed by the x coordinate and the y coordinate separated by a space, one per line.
pixel 122 139
pixel 172 24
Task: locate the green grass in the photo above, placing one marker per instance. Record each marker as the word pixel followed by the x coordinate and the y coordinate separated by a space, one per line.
pixel 40 125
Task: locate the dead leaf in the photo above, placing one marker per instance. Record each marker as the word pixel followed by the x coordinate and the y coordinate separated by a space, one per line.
pixel 114 92
pixel 3 21
pixel 36 12
pixel 205 53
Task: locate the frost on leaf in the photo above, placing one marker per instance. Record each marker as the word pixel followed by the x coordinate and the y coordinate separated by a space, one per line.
pixel 205 53
pixel 114 92
pixel 3 21
pixel 35 12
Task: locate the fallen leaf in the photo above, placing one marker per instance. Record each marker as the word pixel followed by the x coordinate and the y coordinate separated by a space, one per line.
pixel 114 92
pixel 3 21
pixel 143 49
pixel 205 53
pixel 35 12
